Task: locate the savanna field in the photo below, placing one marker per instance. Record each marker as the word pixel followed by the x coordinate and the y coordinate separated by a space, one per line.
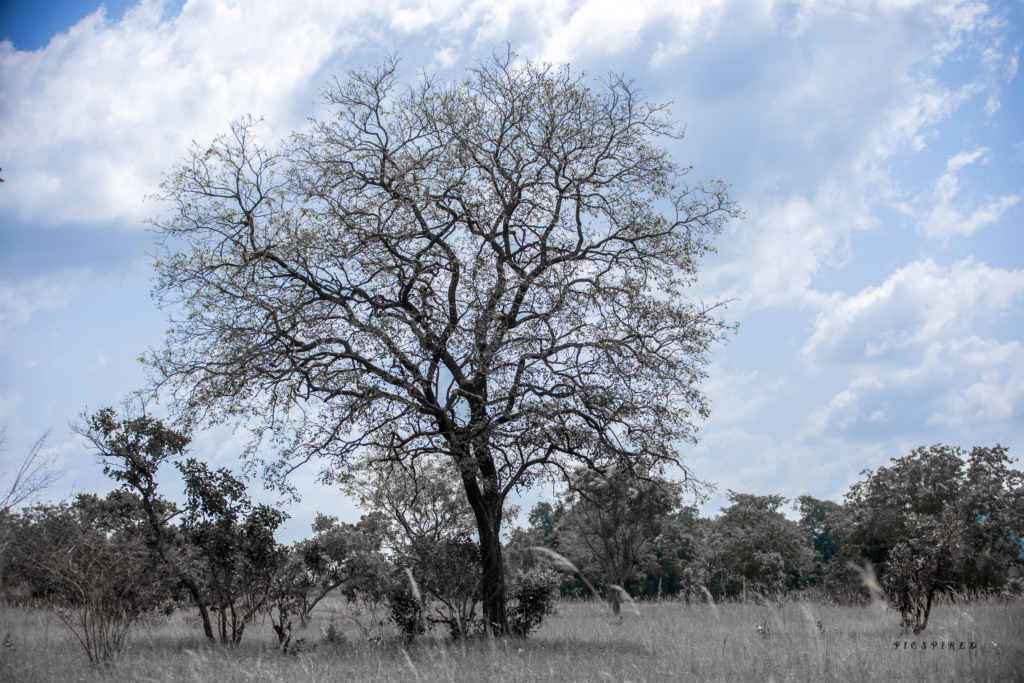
pixel 656 641
pixel 381 304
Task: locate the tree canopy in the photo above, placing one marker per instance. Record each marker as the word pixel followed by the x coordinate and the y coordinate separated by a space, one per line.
pixel 491 270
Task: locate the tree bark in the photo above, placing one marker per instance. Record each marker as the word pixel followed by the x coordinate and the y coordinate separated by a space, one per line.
pixel 493 574
pixel 923 622
pixel 486 505
pixel 159 538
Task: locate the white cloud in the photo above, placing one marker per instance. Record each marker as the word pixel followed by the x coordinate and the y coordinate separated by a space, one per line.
pixel 19 301
pixel 738 396
pixel 841 411
pixel 993 399
pixel 917 306
pixel 945 220
pixel 91 121
pixel 913 342
pixel 844 410
pixel 775 260
pixel 860 106
pixel 910 121
pixel 8 407
pixel 606 26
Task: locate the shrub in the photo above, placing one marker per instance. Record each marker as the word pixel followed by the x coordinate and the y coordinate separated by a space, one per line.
pixel 98 583
pixel 533 598
pixel 405 611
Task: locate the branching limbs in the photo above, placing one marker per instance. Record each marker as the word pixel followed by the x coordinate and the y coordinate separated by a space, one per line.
pixel 479 270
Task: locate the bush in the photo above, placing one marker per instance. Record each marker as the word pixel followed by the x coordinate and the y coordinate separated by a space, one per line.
pixel 405 612
pixel 533 598
pixel 98 583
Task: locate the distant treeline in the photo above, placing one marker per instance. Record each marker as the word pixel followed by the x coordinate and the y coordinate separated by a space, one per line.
pixel 937 520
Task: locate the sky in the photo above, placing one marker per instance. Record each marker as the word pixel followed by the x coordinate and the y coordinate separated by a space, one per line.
pixel 876 148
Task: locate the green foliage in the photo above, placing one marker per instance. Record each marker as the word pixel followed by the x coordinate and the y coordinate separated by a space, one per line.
pixel 405 611
pixel 237 558
pixel 450 574
pixel 610 523
pixel 978 493
pixel 546 517
pixel 929 561
pixel 750 540
pixel 223 549
pixel 678 549
pixel 533 594
pixel 814 516
pixel 87 565
pixel 338 556
pixel 946 518
pixel 133 449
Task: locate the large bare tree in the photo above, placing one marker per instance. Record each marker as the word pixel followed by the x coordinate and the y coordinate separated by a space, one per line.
pixel 491 270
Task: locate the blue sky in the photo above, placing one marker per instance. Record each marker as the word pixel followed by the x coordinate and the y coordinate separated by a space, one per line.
pixel 877 149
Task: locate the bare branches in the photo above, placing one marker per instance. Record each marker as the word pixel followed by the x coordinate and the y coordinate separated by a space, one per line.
pixel 36 473
pixel 491 270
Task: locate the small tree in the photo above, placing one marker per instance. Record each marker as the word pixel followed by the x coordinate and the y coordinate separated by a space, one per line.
pixel 818 518
pixel 420 502
pixel 428 526
pixel 339 555
pixel 610 521
pixel 771 573
pixel 750 537
pixel 132 451
pixel 237 553
pixel 223 551
pixel 929 562
pixel 694 582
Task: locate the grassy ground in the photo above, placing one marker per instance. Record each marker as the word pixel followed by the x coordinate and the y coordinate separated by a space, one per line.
pixel 658 642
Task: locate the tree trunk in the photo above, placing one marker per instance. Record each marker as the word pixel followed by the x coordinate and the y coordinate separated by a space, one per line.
pixel 493 573
pixel 614 600
pixel 472 456
pixel 203 611
pixel 159 538
pixel 923 622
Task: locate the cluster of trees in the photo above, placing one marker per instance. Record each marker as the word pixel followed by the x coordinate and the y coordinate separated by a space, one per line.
pixel 103 564
pixel 935 521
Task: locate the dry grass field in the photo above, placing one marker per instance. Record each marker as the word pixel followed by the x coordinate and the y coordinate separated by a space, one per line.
pixel 657 642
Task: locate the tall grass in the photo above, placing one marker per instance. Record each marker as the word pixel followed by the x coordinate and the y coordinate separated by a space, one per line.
pixel 660 641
